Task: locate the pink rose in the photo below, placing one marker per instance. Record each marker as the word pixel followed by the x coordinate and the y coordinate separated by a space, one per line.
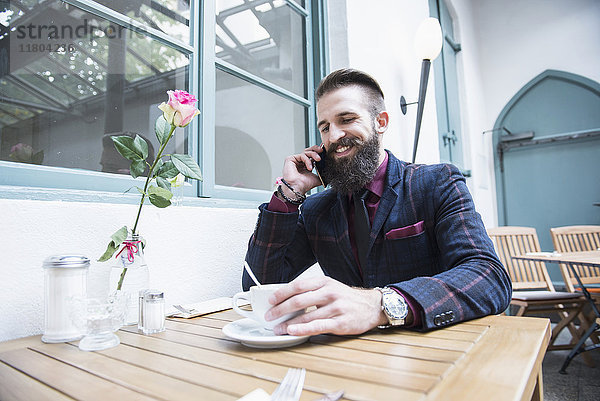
pixel 181 108
pixel 179 96
pixel 19 147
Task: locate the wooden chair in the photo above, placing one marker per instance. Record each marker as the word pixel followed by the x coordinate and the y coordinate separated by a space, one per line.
pixel 533 292
pixel 577 239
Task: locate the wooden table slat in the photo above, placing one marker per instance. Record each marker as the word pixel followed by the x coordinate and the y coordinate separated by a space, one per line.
pixel 352 369
pixel 462 332
pixel 67 379
pixel 412 364
pixel 219 379
pixel 136 378
pixel 428 354
pixel 352 355
pixel 274 364
pixel 15 385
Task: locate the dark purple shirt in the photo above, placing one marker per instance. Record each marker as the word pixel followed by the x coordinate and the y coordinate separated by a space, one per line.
pixel 375 188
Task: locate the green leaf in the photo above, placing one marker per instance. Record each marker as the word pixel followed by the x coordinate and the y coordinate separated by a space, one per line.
pixel 159 164
pixel 110 250
pixel 119 236
pixel 116 240
pixel 38 157
pixel 137 168
pixel 163 183
pixel 187 166
pixel 159 202
pixel 165 193
pixel 141 145
pixel 162 129
pixel 159 197
pixel 167 170
pixel 126 147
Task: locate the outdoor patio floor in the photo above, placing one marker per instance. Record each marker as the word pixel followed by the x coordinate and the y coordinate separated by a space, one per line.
pixel 581 383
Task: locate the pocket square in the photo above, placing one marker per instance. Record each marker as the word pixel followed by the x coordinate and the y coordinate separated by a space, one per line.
pixel 405 232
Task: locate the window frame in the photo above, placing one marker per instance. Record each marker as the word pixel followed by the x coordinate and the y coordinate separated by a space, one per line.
pixel 20 180
pixel 208 187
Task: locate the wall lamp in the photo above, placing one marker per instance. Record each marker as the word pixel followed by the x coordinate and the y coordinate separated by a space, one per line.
pixel 428 44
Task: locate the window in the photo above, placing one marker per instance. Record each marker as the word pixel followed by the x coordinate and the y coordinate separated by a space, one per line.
pixel 447 89
pixel 76 72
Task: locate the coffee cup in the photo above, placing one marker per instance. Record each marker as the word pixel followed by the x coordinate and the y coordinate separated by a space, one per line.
pixel 259 300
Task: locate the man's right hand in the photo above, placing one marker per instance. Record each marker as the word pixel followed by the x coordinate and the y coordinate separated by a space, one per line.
pixel 297 171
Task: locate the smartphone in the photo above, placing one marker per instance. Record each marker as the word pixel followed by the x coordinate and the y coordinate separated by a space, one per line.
pixel 321 166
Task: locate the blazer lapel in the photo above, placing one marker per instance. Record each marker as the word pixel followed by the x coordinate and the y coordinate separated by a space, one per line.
pixel 388 198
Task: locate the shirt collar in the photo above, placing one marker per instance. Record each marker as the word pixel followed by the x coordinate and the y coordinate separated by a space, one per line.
pixel 378 183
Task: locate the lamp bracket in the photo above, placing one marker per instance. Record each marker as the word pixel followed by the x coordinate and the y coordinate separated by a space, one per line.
pixel 403 104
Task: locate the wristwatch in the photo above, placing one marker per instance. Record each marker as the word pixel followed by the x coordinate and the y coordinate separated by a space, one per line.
pixel 394 306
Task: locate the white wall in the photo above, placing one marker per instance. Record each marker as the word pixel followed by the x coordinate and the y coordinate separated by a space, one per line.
pixel 505 45
pixel 518 40
pixel 193 253
pixel 381 43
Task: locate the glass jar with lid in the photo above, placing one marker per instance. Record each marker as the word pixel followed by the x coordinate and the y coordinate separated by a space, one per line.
pixel 65 279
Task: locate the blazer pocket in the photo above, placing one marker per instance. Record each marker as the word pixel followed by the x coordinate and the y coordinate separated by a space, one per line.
pixel 405 232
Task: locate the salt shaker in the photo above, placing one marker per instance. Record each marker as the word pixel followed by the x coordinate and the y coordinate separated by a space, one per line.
pixel 153 312
pixel 65 278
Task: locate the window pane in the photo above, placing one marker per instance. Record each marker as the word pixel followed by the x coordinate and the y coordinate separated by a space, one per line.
pixel 266 39
pixel 255 130
pixel 66 91
pixel 169 16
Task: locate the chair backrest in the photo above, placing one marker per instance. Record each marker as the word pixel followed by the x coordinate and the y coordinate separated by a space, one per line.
pixel 577 239
pixel 513 241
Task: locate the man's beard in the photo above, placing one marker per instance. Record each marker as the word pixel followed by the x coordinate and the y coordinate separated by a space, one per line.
pixel 351 173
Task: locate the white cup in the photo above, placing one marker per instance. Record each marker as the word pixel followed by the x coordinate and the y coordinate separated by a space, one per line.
pixel 259 299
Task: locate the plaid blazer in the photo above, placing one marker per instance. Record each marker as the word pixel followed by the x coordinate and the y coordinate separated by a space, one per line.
pixel 426 240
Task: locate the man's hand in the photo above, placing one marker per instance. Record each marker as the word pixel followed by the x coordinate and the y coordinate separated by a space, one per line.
pixel 340 309
pixel 297 171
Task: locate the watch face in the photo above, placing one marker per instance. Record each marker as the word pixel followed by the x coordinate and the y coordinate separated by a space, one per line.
pixel 396 309
pixel 395 306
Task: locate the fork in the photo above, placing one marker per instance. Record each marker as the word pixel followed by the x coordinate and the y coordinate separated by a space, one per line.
pixel 184 310
pixel 290 387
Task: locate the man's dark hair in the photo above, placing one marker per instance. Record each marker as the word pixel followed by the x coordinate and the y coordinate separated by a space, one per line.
pixel 350 77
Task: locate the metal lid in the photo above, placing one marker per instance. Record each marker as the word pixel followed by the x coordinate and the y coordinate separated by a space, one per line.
pixel 66 261
pixel 154 294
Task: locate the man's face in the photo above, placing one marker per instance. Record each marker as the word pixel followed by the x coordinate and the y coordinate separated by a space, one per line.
pixel 350 138
pixel 344 113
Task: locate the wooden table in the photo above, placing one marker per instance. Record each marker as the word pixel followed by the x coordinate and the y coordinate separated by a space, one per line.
pixel 587 258
pixel 492 358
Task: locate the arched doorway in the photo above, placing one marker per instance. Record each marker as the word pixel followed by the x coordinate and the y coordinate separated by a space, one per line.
pixel 547 159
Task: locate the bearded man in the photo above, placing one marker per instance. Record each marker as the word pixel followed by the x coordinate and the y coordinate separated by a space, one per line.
pixel 401 244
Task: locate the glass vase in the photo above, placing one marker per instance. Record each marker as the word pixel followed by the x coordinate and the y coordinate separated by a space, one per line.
pixel 131 267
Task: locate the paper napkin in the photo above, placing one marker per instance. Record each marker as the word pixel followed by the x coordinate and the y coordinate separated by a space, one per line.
pixel 313 271
pixel 256 395
pixel 203 308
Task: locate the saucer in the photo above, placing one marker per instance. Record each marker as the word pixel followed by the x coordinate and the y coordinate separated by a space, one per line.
pixel 251 334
